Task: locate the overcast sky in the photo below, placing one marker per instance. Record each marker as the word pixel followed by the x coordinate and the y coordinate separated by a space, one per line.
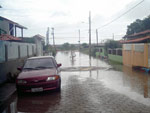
pixel 68 16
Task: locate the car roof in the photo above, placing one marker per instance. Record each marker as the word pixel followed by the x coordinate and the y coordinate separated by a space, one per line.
pixel 40 57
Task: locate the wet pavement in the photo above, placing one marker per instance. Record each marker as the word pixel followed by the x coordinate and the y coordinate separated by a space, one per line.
pixel 89 85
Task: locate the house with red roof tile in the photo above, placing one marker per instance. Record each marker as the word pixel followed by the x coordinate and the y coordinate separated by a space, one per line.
pixel 15 48
pixel 136 49
pixel 9 30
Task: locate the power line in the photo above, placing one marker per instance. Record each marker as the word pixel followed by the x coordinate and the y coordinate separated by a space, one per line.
pixel 121 15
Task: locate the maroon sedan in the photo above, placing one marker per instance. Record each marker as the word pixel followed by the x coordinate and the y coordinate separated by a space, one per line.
pixel 39 74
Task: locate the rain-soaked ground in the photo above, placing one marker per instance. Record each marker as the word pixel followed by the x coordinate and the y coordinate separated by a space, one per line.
pixel 89 85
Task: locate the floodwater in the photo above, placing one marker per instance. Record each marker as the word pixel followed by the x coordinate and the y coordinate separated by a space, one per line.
pixel 133 84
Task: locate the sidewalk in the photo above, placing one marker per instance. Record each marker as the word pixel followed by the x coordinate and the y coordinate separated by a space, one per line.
pixel 6 90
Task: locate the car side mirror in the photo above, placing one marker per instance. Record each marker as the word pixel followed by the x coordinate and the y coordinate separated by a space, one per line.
pixel 58 65
pixel 19 68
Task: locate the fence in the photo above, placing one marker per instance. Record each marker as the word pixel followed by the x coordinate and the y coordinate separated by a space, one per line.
pixel 14 50
pixel 115 55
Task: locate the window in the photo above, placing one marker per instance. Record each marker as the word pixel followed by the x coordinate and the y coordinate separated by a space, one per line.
pixel 114 52
pixel 119 52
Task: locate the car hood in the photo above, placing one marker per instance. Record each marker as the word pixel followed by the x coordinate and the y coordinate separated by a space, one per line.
pixel 37 73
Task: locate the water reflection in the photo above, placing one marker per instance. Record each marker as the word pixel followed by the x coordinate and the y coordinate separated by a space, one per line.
pixel 97 71
pixel 10 106
pixel 32 103
pixel 39 102
pixel 139 81
pixel 90 72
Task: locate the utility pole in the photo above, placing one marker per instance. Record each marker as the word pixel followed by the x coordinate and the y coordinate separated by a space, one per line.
pixel 79 39
pixel 113 36
pixel 89 33
pixel 97 37
pixel 47 36
pixel 53 38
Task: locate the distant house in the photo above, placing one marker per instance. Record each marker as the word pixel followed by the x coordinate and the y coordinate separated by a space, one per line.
pixel 38 40
pixel 10 27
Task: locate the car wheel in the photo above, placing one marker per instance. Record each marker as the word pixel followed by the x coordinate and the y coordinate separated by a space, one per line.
pixel 59 88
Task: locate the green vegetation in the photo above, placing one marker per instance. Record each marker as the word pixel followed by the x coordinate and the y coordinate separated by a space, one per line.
pixel 66 47
pixel 138 26
pixel 49 49
pixel 84 45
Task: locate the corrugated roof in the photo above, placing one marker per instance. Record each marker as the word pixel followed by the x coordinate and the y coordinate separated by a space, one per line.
pixel 9 38
pixel 135 40
pixel 137 34
pixel 141 33
pixel 10 21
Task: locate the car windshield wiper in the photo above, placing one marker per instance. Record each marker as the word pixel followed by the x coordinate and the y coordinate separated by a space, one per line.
pixel 43 67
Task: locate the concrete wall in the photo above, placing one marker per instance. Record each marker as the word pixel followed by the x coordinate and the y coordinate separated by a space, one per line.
pixel 115 58
pixel 115 55
pixel 8 70
pixel 16 49
pixel 13 55
pixel 111 56
pixel 136 55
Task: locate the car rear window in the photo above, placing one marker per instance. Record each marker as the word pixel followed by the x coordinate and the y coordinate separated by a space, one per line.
pixel 39 63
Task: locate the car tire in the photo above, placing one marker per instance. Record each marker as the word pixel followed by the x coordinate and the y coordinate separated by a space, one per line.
pixel 59 88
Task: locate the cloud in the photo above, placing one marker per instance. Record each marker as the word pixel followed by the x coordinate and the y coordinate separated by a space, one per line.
pixel 66 16
pixel 140 12
pixel 58 14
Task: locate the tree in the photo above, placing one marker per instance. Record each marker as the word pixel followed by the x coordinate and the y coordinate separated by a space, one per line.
pixel 112 44
pixel 66 45
pixel 72 46
pixel 84 45
pixel 138 26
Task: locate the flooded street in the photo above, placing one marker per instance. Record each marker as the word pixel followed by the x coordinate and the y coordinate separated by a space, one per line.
pixel 89 85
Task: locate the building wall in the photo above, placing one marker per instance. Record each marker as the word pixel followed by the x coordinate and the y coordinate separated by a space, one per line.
pixel 13 55
pixel 13 50
pixel 136 55
pixel 2 51
pixel 115 58
pixel 4 25
pixel 39 47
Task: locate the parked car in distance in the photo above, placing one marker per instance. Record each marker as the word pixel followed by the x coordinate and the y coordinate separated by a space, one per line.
pixel 39 74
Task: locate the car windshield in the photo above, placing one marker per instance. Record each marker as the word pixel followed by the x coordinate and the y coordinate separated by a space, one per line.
pixel 39 63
